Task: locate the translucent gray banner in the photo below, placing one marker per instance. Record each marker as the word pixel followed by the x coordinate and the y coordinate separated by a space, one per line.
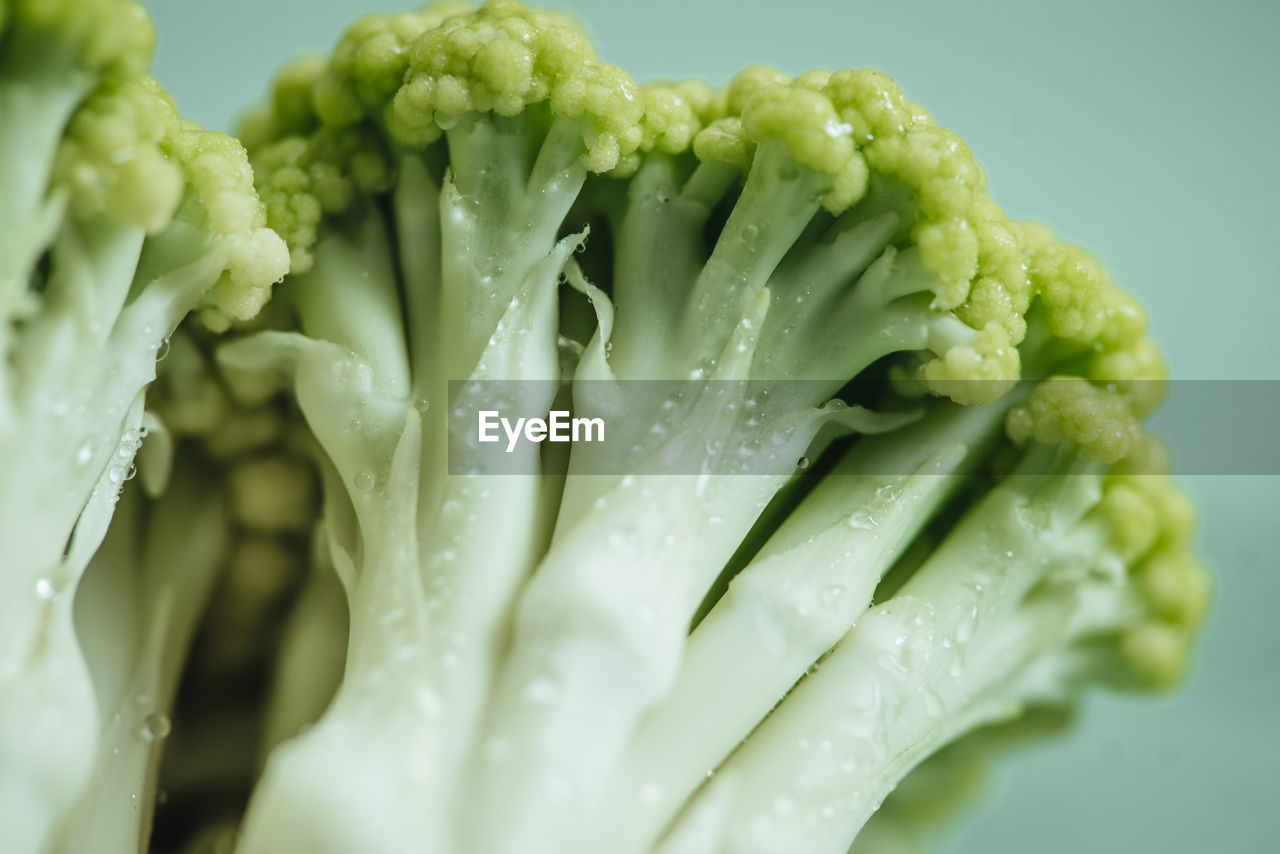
pixel 781 427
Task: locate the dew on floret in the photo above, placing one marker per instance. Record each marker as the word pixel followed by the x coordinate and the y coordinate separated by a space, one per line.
pixel 156 727
pixel 830 595
pixel 540 691
pixel 783 805
pixel 46 588
pixel 802 463
pixel 84 453
pixel 422 404
pixel 861 520
pixel 364 481
pixel 115 474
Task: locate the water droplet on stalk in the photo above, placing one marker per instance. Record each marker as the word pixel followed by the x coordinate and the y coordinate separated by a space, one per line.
pixel 156 727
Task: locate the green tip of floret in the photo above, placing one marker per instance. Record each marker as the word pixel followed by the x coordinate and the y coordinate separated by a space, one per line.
pixel 113 37
pixel 1158 652
pixel 724 140
pixel 674 114
pixel 978 368
pixel 128 156
pixel 1081 305
pixel 1080 300
pixel 873 153
pixel 1173 584
pixel 503 58
pixel 1071 409
pixel 806 123
pixel 369 62
pixel 220 178
pixel 114 158
pixel 961 234
pixel 301 179
pixel 290 106
pixel 873 105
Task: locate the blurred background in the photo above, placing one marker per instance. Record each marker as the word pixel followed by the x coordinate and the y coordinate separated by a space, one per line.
pixel 1146 131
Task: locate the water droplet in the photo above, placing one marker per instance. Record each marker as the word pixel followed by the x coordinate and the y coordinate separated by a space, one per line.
pixel 84 454
pixel 131 472
pixel 802 463
pixel 116 474
pixel 861 520
pixel 750 232
pixel 422 404
pixel 46 588
pixel 364 481
pixel 540 691
pixel 163 349
pixel 156 727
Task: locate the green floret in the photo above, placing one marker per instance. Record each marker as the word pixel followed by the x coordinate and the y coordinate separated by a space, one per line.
pixel 674 114
pixel 135 116
pixel 446 198
pixel 114 38
pixel 369 62
pixel 789 275
pixel 505 58
pixel 1087 323
pixel 1071 409
pixel 117 220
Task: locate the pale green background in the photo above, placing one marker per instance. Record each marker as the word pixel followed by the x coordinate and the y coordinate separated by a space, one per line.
pixel 1149 132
